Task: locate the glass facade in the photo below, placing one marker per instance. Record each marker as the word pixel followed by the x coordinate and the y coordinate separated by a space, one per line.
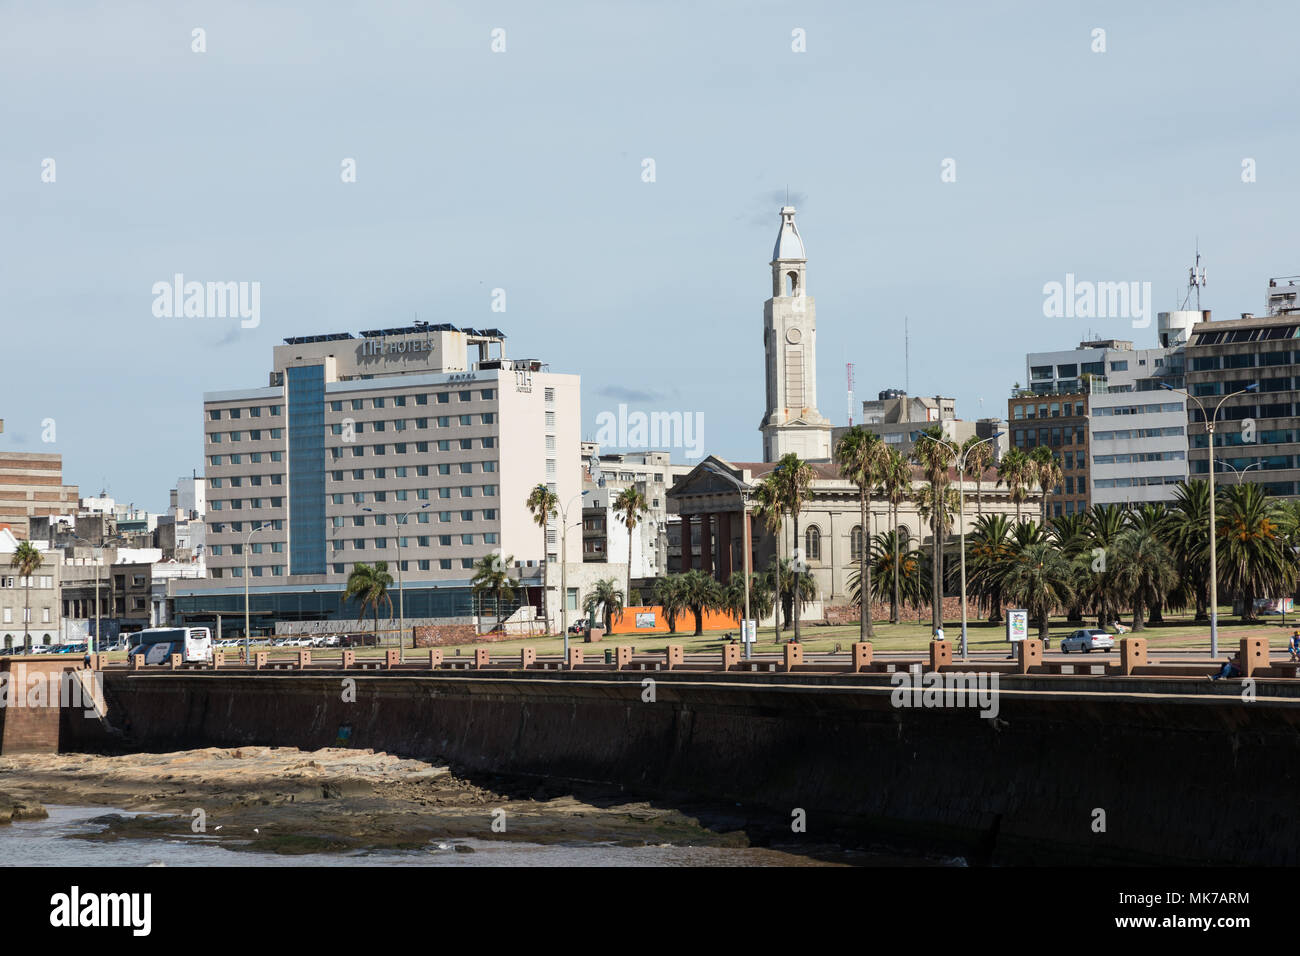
pixel 306 387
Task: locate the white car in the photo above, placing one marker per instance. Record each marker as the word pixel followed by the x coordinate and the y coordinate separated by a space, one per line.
pixel 1088 639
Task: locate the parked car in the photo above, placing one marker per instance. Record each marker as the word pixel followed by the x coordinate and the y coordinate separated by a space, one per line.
pixel 1087 639
pixel 578 626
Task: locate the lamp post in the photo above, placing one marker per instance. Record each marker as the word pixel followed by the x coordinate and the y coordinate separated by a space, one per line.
pixel 401 605
pixel 961 518
pixel 1240 472
pixel 1213 539
pixel 248 539
pixel 564 569
pixel 744 490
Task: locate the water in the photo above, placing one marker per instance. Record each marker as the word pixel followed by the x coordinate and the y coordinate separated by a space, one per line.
pixel 53 842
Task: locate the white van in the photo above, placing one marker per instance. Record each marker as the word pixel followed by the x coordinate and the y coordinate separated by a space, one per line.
pixel 157 644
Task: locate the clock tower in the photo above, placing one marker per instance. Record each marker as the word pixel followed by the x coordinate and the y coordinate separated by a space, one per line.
pixel 792 422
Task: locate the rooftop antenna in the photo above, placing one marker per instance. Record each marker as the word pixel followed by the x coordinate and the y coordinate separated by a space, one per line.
pixel 1195 278
pixel 849 369
pixel 907 359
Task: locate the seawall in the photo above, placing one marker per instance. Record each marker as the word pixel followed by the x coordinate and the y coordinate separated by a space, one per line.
pixel 1180 773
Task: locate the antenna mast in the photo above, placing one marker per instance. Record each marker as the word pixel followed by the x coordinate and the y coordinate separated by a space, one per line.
pixel 849 369
pixel 1195 279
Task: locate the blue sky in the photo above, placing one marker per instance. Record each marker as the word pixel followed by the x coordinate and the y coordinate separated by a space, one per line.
pixel 522 170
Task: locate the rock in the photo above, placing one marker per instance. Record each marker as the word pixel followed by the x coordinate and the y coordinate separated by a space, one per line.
pixel 17 808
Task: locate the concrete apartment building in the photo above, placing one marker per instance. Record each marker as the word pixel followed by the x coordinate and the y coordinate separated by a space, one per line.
pixel 1225 356
pixel 1134 446
pixel 898 418
pixel 311 475
pixel 31 486
pixel 34 611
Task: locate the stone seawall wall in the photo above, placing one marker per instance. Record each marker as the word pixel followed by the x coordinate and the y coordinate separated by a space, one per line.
pixel 1180 779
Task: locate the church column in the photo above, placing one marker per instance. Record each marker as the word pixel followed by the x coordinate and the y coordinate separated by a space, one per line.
pixel 724 546
pixel 706 544
pixel 686 543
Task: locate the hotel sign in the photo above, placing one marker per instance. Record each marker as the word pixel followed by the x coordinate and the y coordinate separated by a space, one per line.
pixel 396 346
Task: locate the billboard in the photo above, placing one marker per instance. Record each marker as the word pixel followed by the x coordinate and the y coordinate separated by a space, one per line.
pixel 1017 624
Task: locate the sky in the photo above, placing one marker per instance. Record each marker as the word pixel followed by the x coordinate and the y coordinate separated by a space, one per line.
pixel 947 160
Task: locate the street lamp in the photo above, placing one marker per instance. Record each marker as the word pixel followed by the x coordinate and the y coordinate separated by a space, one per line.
pixel 401 606
pixel 248 539
pixel 744 490
pixel 1213 540
pixel 1240 472
pixel 961 520
pixel 564 569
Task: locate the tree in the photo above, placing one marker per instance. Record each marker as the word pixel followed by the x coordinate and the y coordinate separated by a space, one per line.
pixel 1105 523
pixel 784 491
pixel 630 505
pixel 369 585
pixel 935 457
pixel 1040 579
pixel 492 575
pixel 543 502
pixel 1252 556
pixel 1014 471
pixel 888 552
pixel 607 598
pixel 861 457
pixel 672 598
pixel 26 560
pixel 786 581
pixel 896 482
pixel 1188 532
pixel 1144 568
pixel 979 456
pixel 1047 473
pixel 992 551
pixel 700 593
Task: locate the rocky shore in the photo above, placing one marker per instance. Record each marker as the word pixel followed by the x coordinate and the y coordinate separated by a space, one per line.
pixel 283 800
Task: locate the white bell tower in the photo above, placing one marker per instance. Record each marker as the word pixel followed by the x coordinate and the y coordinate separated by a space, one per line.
pixel 792 422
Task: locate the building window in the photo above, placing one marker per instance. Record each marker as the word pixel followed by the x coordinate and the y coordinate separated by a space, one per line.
pixel 855 544
pixel 813 544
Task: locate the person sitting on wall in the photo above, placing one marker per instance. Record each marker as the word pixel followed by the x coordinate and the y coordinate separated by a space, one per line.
pixel 1294 645
pixel 1231 668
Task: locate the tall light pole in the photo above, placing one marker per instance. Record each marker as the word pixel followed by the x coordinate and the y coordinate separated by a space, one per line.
pixel 1240 472
pixel 401 606
pixel 1213 539
pixel 961 517
pixel 248 540
pixel 564 569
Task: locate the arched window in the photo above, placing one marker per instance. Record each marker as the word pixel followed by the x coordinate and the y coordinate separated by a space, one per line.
pixel 792 283
pixel 855 544
pixel 813 544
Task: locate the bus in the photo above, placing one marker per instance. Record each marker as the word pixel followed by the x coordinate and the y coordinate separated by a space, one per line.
pixel 157 644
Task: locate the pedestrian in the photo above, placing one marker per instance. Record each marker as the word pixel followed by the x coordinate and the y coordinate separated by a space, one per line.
pixel 1295 645
pixel 1230 668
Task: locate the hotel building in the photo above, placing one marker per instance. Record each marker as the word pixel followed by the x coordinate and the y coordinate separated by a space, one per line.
pixel 424 437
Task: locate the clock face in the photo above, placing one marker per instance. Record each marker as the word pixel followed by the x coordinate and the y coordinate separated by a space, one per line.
pixel 793 336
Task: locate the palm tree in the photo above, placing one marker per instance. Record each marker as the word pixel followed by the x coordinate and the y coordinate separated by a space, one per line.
pixel 1047 473
pixel 1252 555
pixel 861 455
pixel 762 599
pixel 26 560
pixel 1144 568
pixel 896 482
pixel 607 597
pixel 1041 579
pixel 701 593
pixel 630 506
pixel 491 575
pixel 543 502
pixel 887 579
pixel 979 455
pixel 1071 534
pixel 784 491
pixel 1014 471
pixel 732 596
pixel 1188 538
pixel 672 598
pixel 785 580
pixel 992 551
pixel 935 456
pixel 369 585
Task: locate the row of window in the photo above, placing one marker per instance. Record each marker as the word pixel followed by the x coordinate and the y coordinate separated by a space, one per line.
pixel 421 517
pixel 421 471
pixel 1277 384
pixel 237 504
pixel 1236 413
pixel 444 540
pixel 277 570
pixel 1137 457
pixel 400 448
pixel 254 481
pixel 254 457
pixel 1272 436
pixel 237 527
pixel 1269 463
pixel 1124 434
pixel 1047 410
pixel 1247 335
pixel 1056 436
pixel 400 401
pixel 1138 482
pixel 254 411
pixel 406 424
pixel 1139 409
pixel 25 615
pixel 1213 363
pixel 18 581
pixel 254 434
